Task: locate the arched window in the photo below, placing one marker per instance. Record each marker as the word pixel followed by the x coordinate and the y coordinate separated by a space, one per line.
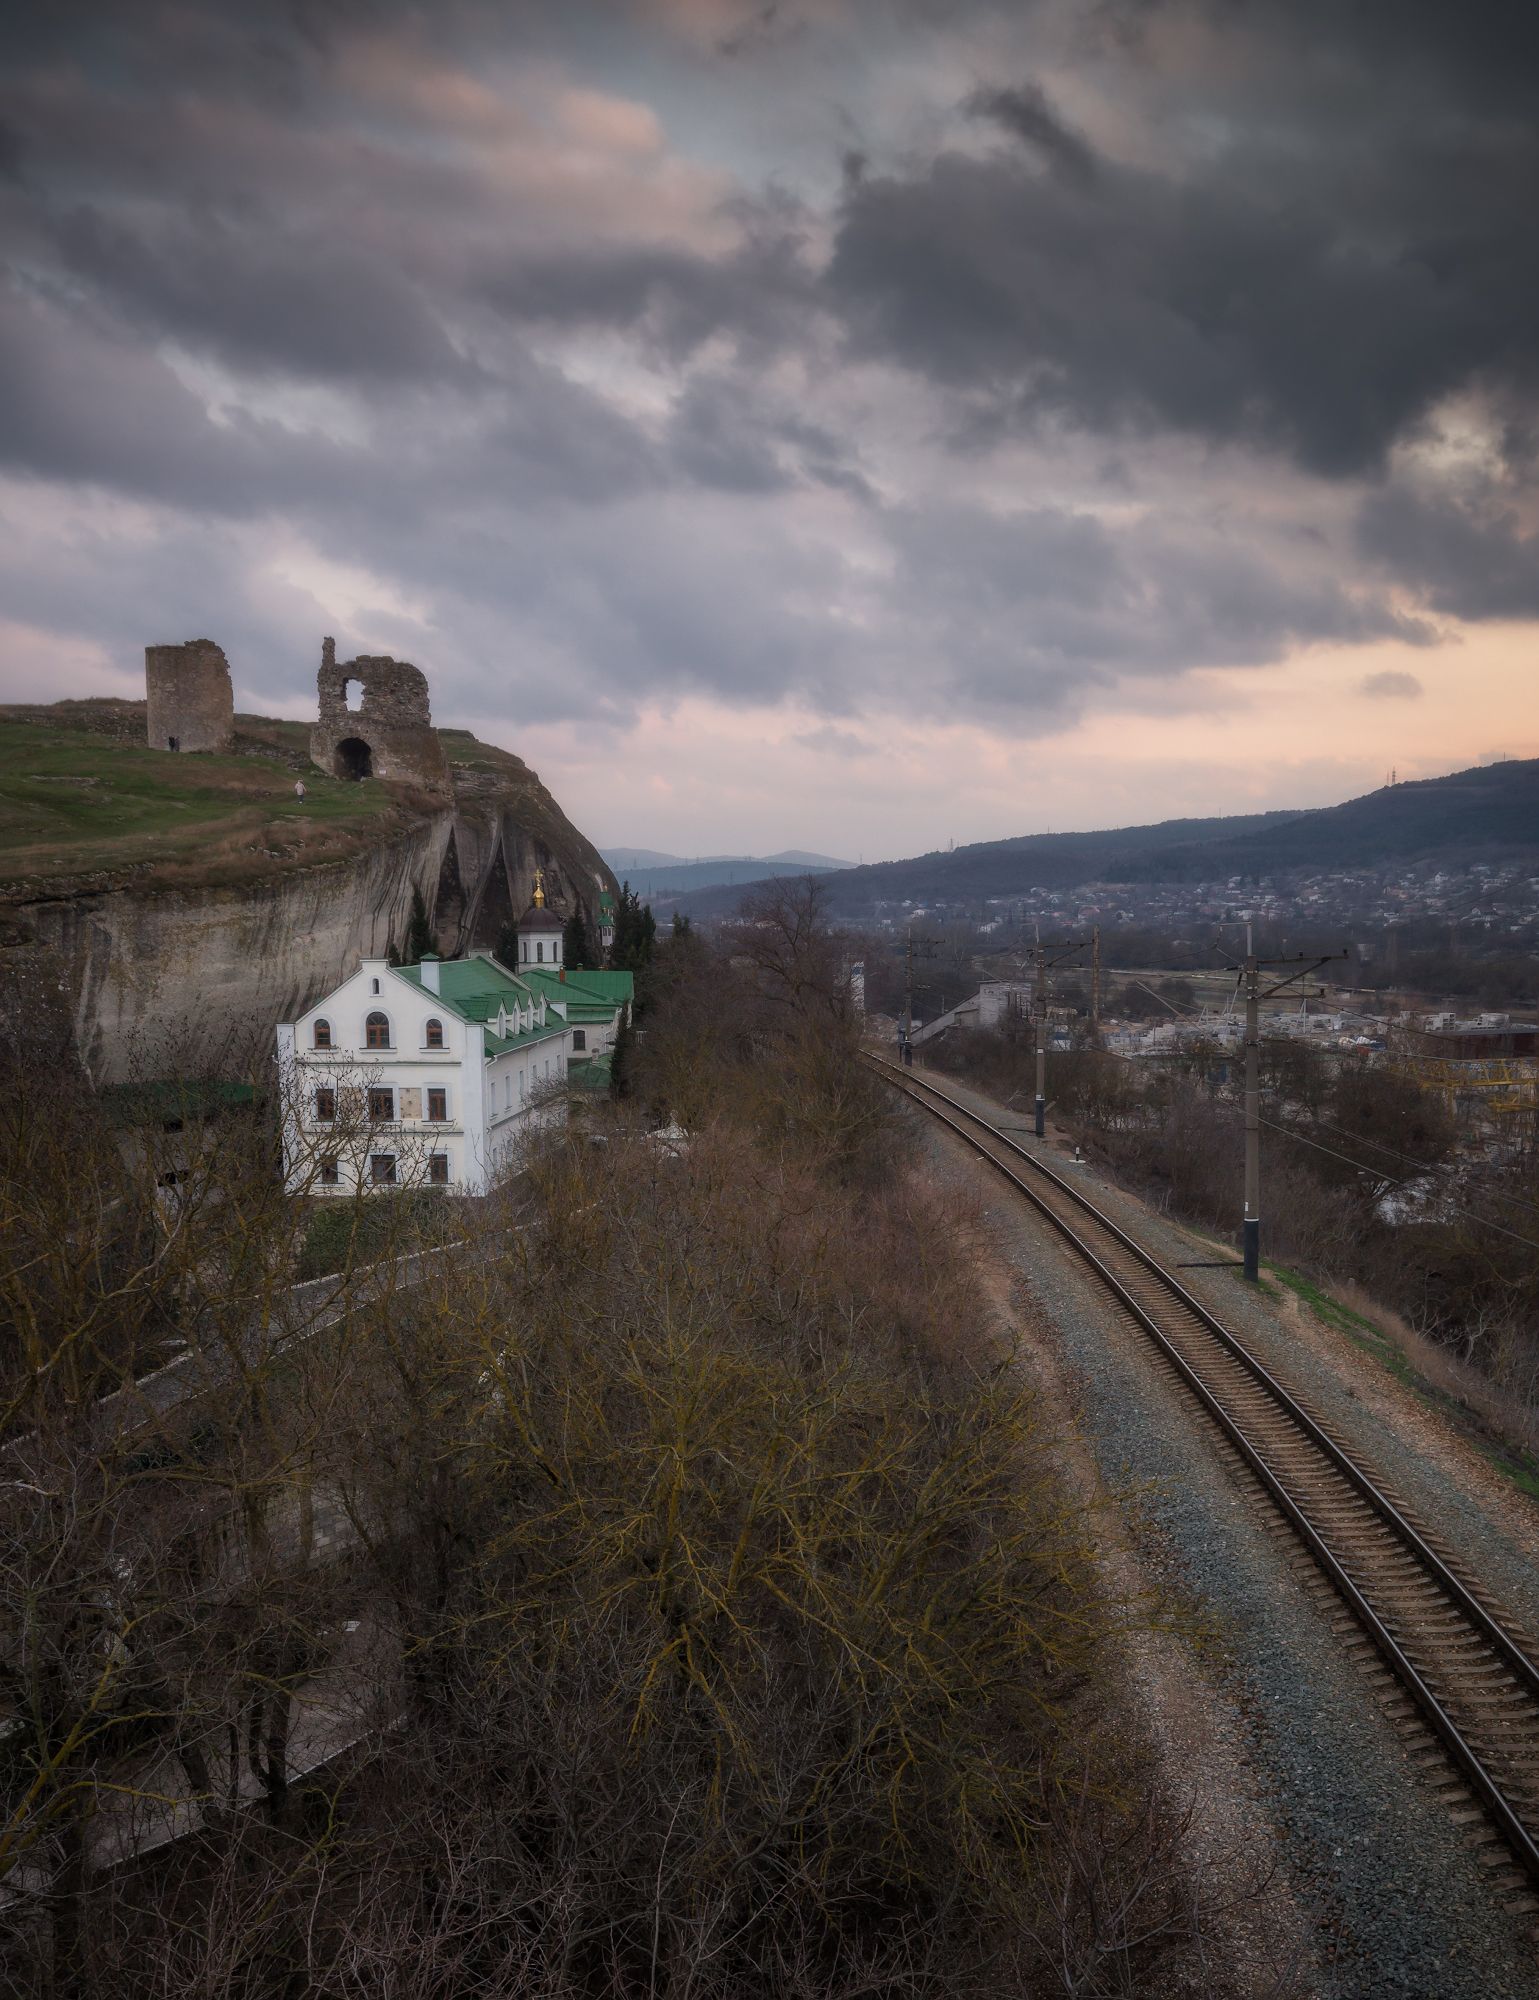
pixel 579 1038
pixel 376 1032
pixel 322 1035
pixel 539 954
pixel 433 1034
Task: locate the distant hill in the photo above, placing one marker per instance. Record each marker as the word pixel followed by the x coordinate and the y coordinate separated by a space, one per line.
pixel 652 874
pixel 1492 809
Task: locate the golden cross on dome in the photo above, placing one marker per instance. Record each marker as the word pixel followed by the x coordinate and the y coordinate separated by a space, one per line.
pixel 539 888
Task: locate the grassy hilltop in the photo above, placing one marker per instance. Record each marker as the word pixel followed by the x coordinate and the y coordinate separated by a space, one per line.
pixel 82 796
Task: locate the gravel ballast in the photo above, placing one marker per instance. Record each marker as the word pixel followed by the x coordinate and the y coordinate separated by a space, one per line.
pixel 1398 1903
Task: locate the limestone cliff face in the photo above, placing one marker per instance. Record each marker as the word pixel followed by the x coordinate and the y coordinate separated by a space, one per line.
pixel 187 982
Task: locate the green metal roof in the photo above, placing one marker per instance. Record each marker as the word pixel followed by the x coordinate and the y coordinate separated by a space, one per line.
pixel 589 1074
pixel 594 989
pixel 477 989
pixel 473 988
pixel 501 1045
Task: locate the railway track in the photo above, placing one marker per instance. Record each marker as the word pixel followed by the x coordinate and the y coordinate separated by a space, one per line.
pixel 1440 1651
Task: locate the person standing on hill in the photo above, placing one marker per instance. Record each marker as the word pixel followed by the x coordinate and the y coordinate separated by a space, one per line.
pixel 299 790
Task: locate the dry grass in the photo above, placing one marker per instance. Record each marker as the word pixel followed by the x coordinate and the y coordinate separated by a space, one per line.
pixel 1508 1412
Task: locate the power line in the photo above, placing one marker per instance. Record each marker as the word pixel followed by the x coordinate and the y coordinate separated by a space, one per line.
pixel 1421 1166
pixel 1356 1139
pixel 1357 1166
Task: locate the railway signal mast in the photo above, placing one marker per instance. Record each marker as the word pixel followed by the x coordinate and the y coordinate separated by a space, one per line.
pixel 1252 972
pixel 1045 958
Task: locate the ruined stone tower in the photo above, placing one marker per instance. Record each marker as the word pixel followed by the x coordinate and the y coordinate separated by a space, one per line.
pixel 389 734
pixel 189 703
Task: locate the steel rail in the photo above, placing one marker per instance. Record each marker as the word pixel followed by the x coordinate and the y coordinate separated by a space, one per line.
pixel 1467 1758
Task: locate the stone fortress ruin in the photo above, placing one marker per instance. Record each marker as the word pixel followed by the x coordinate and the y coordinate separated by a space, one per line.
pixel 389 734
pixel 190 705
pixel 189 702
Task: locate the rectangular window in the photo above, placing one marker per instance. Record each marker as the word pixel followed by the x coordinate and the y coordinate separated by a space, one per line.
pixel 438 1108
pixel 328 1170
pixel 325 1106
pixel 382 1169
pixel 438 1169
pixel 381 1102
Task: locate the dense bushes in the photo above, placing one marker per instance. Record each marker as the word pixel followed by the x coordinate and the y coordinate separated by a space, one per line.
pixel 766 1625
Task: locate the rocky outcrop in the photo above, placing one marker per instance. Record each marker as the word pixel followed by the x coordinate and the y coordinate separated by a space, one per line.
pixel 188 982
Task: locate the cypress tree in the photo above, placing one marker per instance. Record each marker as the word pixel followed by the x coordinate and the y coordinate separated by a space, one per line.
pixel 419 932
pixel 635 933
pixel 576 946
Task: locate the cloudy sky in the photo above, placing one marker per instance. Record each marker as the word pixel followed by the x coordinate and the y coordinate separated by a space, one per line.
pixel 849 424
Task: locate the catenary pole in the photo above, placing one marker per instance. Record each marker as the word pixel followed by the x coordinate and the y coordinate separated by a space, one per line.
pixel 1252 1113
pixel 1250 971
pixel 1039 1010
pixel 1062 951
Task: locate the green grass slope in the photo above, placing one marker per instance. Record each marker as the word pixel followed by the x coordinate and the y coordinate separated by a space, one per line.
pixel 74 803
pixel 83 799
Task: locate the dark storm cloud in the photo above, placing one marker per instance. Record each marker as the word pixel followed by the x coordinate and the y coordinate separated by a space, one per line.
pixel 1128 300
pixel 267 298
pixel 1026 112
pixel 1465 552
pixel 83 403
pixel 1035 606
pixel 1485 52
pixel 675 300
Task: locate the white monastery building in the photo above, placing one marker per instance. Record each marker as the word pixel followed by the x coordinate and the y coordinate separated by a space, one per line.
pixel 431 1074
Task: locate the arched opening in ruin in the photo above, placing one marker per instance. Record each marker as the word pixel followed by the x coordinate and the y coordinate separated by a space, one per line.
pixel 352 696
pixel 354 758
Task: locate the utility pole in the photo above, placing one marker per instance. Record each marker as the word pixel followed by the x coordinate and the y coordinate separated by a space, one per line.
pixel 1095 980
pixel 1043 964
pixel 1252 1114
pixel 1039 1012
pixel 906 1025
pixel 1251 972
pixel 906 1036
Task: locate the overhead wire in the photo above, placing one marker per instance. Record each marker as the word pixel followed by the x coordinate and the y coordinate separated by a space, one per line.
pixel 1485 1221
pixel 1358 1166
